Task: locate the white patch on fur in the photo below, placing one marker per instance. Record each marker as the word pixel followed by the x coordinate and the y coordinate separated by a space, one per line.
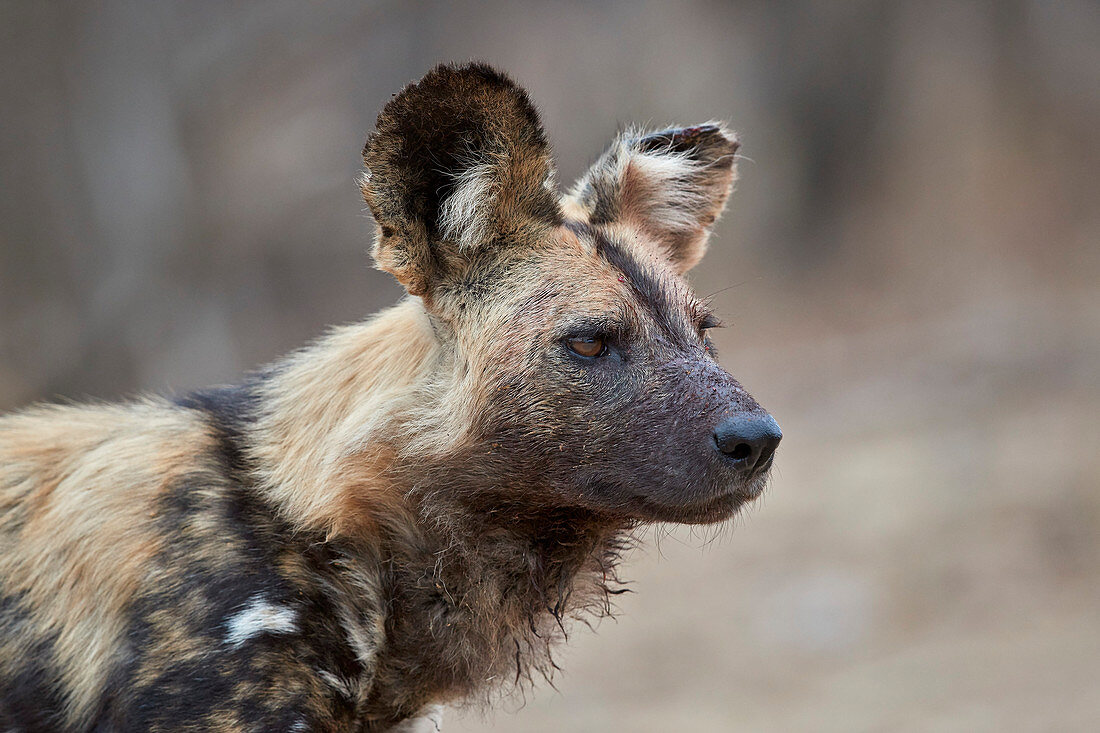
pixel 466 216
pixel 344 687
pixel 260 617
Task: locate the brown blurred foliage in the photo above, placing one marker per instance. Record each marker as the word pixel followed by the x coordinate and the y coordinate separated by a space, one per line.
pixel 910 268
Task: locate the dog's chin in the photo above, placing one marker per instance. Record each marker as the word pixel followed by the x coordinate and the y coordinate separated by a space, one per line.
pixel 718 507
pixel 709 511
pixel 696 504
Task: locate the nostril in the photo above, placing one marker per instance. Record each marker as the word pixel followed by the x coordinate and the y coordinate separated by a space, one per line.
pixel 764 459
pixel 740 452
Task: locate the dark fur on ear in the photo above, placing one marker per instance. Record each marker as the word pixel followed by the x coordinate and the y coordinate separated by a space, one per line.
pixel 459 162
pixel 672 185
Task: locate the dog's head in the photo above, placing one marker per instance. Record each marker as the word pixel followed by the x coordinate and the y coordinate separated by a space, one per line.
pixel 578 368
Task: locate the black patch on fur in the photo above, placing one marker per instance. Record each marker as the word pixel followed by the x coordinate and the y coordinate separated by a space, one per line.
pixel 30 701
pixel 703 142
pixel 601 198
pixel 198 593
pixel 231 410
pixel 651 290
pixel 435 129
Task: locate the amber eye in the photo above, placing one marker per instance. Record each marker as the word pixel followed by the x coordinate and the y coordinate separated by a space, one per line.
pixel 590 346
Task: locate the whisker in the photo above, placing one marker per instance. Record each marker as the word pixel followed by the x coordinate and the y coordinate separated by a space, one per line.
pixel 729 287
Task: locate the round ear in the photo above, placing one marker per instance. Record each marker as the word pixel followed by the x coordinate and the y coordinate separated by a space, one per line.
pixel 671 185
pixel 459 162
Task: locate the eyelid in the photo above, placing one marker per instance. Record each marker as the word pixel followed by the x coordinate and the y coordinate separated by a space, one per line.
pixel 594 328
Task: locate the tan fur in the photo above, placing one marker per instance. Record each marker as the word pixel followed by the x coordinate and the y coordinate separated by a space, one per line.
pixel 337 413
pixel 321 439
pixel 75 550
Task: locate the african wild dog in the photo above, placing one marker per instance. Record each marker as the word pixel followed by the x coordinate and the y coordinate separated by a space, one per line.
pixel 405 513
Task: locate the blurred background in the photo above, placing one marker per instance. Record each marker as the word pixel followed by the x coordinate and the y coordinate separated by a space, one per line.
pixel 910 270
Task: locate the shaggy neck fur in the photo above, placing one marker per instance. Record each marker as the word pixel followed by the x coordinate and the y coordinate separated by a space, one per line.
pixel 346 443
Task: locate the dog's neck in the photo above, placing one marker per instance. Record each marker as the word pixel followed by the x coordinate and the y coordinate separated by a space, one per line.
pixel 321 437
pixel 478 599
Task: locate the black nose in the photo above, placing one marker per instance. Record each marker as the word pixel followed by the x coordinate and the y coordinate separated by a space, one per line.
pixel 748 440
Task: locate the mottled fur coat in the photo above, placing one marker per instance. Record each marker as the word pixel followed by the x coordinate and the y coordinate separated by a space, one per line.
pixel 408 512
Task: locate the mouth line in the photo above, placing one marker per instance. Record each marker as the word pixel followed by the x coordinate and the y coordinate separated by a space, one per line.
pixel 707 511
pixel 721 502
